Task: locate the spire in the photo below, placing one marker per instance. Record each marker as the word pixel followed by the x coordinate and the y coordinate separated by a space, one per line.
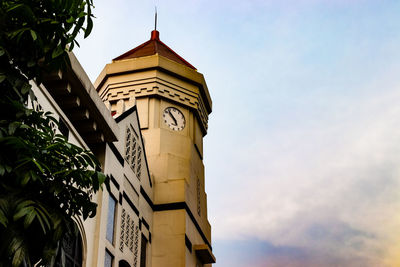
pixel 154 46
pixel 155 19
pixel 155 35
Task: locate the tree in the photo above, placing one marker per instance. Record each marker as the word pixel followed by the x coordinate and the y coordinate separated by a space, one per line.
pixel 45 182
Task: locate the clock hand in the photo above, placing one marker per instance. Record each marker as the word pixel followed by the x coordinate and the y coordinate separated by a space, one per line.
pixel 172 116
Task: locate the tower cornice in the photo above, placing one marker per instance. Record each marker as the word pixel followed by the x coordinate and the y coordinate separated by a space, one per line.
pixel 156 62
pixel 198 99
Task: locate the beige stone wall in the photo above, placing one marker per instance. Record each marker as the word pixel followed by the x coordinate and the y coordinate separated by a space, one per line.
pixel 174 157
pixel 169 239
pixel 126 189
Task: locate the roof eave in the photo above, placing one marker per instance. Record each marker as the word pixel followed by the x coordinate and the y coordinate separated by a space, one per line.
pixel 156 62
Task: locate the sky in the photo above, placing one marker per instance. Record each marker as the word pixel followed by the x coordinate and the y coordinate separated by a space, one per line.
pixel 302 154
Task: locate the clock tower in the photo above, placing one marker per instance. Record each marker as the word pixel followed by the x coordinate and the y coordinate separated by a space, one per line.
pixel 173 105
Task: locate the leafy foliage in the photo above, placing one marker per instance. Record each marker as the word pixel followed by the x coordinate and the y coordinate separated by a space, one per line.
pixel 45 182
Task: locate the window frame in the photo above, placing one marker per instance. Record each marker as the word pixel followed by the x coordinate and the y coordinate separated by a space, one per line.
pixel 107 252
pixel 133 151
pixel 112 241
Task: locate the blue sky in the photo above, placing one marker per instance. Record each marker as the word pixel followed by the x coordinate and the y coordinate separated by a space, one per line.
pixel 302 155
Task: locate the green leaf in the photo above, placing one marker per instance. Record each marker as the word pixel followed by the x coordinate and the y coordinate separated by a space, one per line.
pixel 43 220
pixel 8 168
pixel 18 251
pixel 28 112
pixel 71 46
pixel 95 182
pixel 13 127
pixel 89 27
pixel 25 88
pixel 88 160
pixel 2 77
pixel 3 219
pixel 29 219
pixel 23 11
pixel 57 52
pixel 18 32
pixel 44 20
pixel 67 4
pixel 38 165
pixel 26 179
pixel 101 177
pixel 107 183
pixel 76 43
pixel 34 176
pixel 33 34
pixel 78 26
pixel 14 7
pixel 22 212
pixel 23 161
pixel 31 63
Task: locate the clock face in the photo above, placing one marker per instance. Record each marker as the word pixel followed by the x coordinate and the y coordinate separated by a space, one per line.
pixel 174 118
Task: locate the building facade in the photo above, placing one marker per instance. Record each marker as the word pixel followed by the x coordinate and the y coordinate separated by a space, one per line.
pixel 145 119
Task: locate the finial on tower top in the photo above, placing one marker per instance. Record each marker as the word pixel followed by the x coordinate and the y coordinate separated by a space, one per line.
pixel 155 35
pixel 155 18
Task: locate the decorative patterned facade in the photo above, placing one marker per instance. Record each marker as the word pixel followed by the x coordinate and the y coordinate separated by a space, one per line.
pixel 155 211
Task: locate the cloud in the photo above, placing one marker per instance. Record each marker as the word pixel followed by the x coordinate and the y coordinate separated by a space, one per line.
pixel 332 189
pixel 313 160
pixel 258 253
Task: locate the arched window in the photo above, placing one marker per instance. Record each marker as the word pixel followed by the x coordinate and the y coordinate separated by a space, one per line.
pixel 70 251
pixel 123 263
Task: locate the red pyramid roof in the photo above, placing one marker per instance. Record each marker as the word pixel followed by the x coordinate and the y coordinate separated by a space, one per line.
pixel 152 47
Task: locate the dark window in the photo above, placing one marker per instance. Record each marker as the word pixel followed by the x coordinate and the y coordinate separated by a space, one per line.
pixel 110 219
pixel 123 263
pixel 198 197
pixel 143 251
pixel 63 128
pixel 139 162
pixel 108 259
pixel 70 251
